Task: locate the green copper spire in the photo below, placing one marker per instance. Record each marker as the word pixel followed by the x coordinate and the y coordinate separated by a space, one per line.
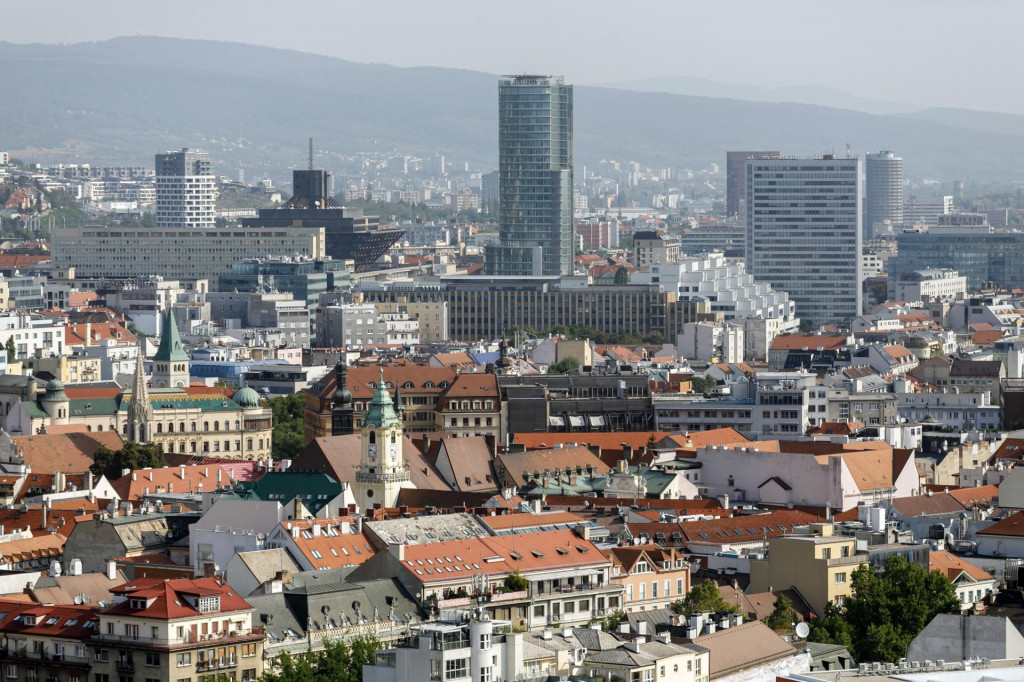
pixel 170 349
pixel 381 411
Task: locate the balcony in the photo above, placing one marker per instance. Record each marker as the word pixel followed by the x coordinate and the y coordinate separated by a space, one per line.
pixel 216 664
pixel 854 560
pixel 124 665
pixel 227 637
pixel 23 655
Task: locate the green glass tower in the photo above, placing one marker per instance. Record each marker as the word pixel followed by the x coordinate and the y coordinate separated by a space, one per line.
pixel 535 178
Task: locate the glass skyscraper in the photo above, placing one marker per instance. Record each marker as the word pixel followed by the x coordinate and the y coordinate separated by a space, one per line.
pixel 804 233
pixel 535 178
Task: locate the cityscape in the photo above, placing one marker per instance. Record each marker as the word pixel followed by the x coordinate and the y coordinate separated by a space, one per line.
pixel 578 371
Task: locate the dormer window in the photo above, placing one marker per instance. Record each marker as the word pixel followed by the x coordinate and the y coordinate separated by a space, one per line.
pixel 137 603
pixel 209 604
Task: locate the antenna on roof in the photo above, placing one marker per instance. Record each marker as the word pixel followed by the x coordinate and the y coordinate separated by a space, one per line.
pixel 311 153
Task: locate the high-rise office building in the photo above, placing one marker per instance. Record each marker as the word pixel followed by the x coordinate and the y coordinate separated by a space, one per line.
pixel 535 178
pixel 804 233
pixel 736 177
pixel 883 192
pixel 186 191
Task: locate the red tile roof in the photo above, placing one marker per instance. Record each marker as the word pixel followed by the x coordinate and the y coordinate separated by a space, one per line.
pixel 175 598
pixel 1011 526
pixel 500 555
pixel 73 622
pixel 336 547
pixel 952 566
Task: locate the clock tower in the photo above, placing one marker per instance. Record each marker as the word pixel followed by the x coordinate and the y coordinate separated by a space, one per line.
pixel 382 469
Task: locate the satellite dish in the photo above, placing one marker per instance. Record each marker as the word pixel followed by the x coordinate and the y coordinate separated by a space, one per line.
pixel 802 630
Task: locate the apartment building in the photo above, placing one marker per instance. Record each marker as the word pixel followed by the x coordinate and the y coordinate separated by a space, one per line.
pixel 177 631
pixel 812 559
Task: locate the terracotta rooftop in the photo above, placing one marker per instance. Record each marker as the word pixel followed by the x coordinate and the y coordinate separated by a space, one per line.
pixel 809 342
pixel 952 566
pixel 169 599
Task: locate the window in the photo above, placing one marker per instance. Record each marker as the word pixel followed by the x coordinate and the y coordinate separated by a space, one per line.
pixel 538 611
pixel 826 552
pixel 679 587
pixel 248 650
pixel 649 675
pixel 100 677
pixel 208 604
pixel 152 660
pixel 102 655
pixel 840 578
pixel 486 674
pixel 10 671
pixel 570 607
pixel 185 659
pixel 654 589
pixel 435 669
pixel 668 588
pixel 643 591
pixel 844 551
pixel 485 640
pixel 457 669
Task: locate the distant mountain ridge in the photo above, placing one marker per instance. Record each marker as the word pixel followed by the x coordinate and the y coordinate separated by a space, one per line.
pixel 122 100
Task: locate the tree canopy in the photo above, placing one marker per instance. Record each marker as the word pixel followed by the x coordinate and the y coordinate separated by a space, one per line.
pixel 288 437
pixel 889 607
pixel 339 662
pixel 133 456
pixel 566 366
pixel 703 596
pixel 782 616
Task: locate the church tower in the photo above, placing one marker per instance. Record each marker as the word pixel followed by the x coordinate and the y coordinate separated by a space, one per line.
pixel 170 364
pixel 342 414
pixel 140 410
pixel 382 469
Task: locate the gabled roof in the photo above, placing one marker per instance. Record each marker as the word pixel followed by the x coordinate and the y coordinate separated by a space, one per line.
pixel 746 528
pixel 67 452
pixel 953 566
pixel 522 465
pixel 1011 526
pixel 470 386
pixel 500 555
pixel 927 505
pixel 171 479
pixel 470 460
pixel 333 546
pixel 73 622
pixel 42 546
pixel 172 599
pixel 981 496
pixel 751 645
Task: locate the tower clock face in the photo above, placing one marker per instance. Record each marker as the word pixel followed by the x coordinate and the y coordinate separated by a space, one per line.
pixel 371 450
pixel 393 450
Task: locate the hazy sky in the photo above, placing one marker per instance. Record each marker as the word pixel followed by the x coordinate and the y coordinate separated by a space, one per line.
pixel 930 52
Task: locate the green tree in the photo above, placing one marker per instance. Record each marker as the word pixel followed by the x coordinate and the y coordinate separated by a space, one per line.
pixel 12 351
pixel 338 661
pixel 703 596
pixel 288 437
pixel 566 366
pixel 702 384
pixel 133 456
pixel 782 616
pixel 622 275
pixel 612 620
pixel 515 582
pixel 889 607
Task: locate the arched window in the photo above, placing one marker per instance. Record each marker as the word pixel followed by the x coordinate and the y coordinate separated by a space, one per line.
pixel 238 425
pixel 193 426
pixel 248 444
pixel 216 426
pixel 124 430
pixel 159 428
pixel 181 427
pixel 206 426
pixel 373 437
pixel 170 428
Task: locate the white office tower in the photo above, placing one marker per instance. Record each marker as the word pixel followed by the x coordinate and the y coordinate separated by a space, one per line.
pixel 883 193
pixel 186 190
pixel 804 233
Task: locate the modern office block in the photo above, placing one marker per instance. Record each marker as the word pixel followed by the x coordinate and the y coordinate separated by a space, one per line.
pixel 736 178
pixel 804 233
pixel 535 178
